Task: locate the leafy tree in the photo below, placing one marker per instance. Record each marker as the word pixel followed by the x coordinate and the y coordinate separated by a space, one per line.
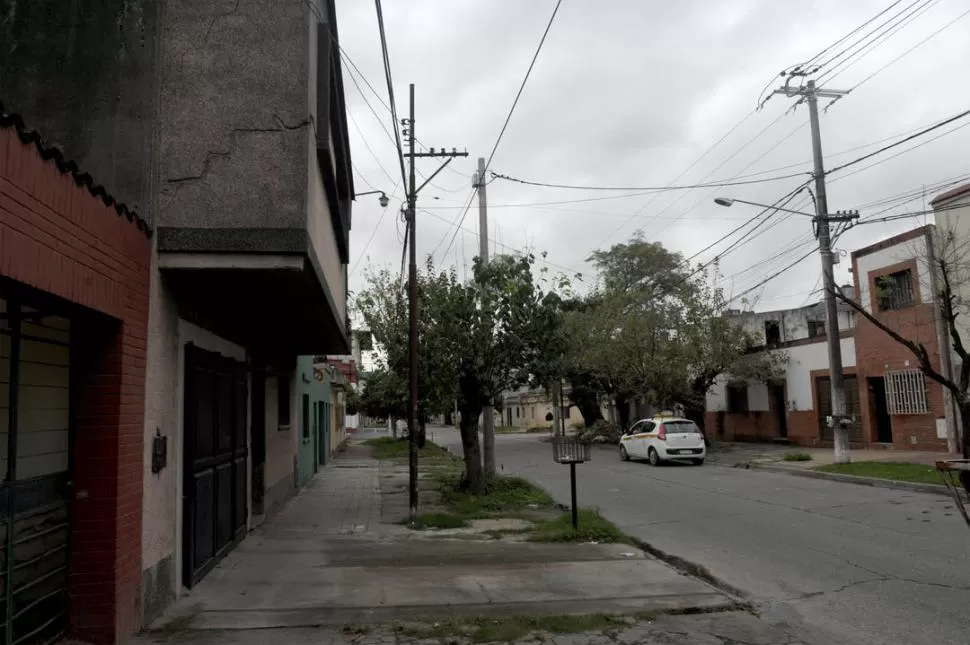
pixel 656 332
pixel 493 332
pixel 384 396
pixel 383 305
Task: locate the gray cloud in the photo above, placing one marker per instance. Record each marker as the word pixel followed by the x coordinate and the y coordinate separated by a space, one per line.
pixel 628 92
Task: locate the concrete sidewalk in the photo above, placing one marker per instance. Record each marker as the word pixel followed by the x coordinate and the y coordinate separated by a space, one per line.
pixel 337 565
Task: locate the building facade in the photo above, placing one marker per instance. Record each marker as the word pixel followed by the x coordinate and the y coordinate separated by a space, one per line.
pixel 74 286
pixel 896 284
pixel 793 407
pixel 226 132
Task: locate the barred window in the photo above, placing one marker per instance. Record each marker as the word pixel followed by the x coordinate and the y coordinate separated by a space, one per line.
pixel 906 392
pixel 895 291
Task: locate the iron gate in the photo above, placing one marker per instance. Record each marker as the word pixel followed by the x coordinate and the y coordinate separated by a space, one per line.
pixel 214 510
pixel 35 425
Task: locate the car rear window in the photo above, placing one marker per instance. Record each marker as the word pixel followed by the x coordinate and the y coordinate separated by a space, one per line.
pixel 687 427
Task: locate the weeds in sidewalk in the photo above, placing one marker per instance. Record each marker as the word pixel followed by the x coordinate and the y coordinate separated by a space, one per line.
pixel 438 520
pixel 505 497
pixel 896 471
pixel 392 448
pixel 797 456
pixel 593 527
pixel 511 628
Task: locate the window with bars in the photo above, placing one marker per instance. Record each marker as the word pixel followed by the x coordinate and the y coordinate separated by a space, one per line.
pixel 906 392
pixel 895 291
pixel 816 328
pixel 737 399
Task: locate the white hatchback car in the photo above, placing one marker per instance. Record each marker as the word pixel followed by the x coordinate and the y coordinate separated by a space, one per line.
pixel 664 438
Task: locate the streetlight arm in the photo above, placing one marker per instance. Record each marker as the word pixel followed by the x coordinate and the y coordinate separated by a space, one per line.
pixel 728 202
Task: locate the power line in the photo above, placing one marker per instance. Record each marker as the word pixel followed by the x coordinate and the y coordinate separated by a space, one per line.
pixel 913 48
pixel 861 40
pixel 390 90
pixel 773 276
pixel 714 184
pixel 881 39
pixel 933 127
pixel 458 222
pixel 503 245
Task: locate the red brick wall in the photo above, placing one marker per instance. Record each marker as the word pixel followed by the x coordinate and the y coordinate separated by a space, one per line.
pixel 877 353
pixel 57 237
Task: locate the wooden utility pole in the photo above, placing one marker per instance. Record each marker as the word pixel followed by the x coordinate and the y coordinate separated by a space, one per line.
pixel 413 348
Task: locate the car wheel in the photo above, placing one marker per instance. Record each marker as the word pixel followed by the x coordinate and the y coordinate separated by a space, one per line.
pixel 653 457
pixel 698 462
pixel 623 454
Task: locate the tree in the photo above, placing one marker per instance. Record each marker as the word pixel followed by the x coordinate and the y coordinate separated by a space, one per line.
pixel 383 306
pixel 384 396
pixel 656 332
pixel 950 274
pixel 493 331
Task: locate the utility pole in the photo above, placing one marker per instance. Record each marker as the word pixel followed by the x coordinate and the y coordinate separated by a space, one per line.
pixel 488 414
pixel 413 349
pixel 839 420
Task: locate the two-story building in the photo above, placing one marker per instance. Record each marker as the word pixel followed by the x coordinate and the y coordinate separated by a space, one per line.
pixel 793 407
pixel 900 407
pixel 223 126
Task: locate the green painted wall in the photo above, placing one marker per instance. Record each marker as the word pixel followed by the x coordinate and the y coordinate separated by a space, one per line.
pixel 313 398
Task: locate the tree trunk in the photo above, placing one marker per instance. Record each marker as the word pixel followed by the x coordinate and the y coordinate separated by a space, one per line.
pixel 964 405
pixel 472 451
pixel 393 423
pixel 623 410
pixel 422 433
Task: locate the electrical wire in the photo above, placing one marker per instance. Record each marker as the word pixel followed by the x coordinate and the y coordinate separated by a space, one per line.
pixel 834 73
pixel 913 48
pixel 459 221
pixel 847 53
pixel 931 128
pixel 714 184
pixel 772 276
pixel 390 90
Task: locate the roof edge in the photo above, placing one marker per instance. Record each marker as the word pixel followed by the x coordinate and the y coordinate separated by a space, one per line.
pixel 69 167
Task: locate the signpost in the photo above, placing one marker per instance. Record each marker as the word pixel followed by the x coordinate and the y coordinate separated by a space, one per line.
pixel 572 452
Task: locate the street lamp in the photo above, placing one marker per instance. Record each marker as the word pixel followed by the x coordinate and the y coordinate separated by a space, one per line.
pixel 382 199
pixel 730 201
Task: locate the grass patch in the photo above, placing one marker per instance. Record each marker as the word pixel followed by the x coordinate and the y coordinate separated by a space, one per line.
pixel 505 496
pixel 897 471
pixel 437 520
pixel 512 628
pixel 593 527
pixel 797 456
pixel 391 448
pixel 506 430
pixel 538 429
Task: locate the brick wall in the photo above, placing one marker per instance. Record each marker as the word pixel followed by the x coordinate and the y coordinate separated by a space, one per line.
pixel 58 237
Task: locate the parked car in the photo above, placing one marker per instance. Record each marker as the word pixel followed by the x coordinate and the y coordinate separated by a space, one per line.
pixel 662 439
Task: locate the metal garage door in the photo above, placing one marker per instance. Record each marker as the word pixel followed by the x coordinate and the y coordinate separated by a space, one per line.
pixel 214 511
pixel 34 426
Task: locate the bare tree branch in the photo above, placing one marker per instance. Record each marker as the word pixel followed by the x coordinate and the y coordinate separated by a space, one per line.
pixel 918 349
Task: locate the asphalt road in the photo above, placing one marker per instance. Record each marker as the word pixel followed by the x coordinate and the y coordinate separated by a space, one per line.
pixel 834 562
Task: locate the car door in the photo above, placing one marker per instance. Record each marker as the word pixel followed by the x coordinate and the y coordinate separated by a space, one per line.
pixel 646 435
pixel 629 440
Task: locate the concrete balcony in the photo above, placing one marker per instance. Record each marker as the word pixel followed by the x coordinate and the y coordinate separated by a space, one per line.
pixel 253 215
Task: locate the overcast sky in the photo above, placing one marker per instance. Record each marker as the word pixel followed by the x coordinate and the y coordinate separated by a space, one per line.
pixel 631 93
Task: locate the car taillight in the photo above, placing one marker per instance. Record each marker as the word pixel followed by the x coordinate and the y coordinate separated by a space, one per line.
pixel 662 435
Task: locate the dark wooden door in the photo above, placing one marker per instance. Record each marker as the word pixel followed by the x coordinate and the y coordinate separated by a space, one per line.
pixel 214 509
pixel 880 410
pixel 780 405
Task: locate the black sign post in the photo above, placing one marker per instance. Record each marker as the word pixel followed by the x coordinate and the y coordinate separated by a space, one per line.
pixel 572 452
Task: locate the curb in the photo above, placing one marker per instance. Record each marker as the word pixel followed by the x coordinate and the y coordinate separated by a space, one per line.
pixel 913 487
